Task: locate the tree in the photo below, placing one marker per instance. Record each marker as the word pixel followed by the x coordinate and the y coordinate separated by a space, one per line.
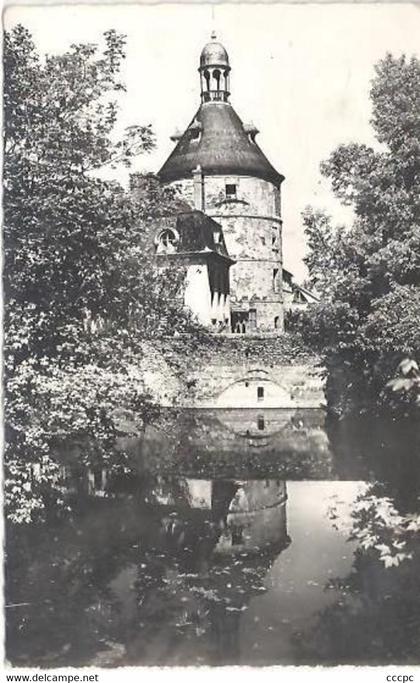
pixel 369 274
pixel 373 618
pixel 81 294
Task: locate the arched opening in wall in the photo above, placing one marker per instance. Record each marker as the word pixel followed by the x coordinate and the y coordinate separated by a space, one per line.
pixel 277 322
pixel 216 76
pixel 260 394
pixel 166 242
pixel 226 75
pixel 207 79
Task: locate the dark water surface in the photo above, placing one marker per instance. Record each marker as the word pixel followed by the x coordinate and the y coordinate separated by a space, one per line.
pixel 231 537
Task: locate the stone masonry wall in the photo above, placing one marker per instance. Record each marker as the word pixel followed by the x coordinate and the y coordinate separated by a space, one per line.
pixel 253 233
pixel 284 386
pixel 232 373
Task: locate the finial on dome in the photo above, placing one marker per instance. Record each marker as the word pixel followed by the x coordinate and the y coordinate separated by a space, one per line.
pixel 213 35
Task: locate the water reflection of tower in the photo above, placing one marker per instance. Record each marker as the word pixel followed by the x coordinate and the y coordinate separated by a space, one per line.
pixel 254 533
pixel 252 515
pixel 218 542
pixel 244 516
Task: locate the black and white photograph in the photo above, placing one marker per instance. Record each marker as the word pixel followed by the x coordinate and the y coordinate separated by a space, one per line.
pixel 211 337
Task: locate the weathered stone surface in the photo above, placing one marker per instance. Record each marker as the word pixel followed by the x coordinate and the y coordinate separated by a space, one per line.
pixel 159 378
pixel 280 386
pixel 234 373
pixel 252 229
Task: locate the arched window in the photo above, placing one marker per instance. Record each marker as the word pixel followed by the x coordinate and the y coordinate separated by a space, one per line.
pixel 207 77
pixel 216 75
pixel 226 75
pixel 166 242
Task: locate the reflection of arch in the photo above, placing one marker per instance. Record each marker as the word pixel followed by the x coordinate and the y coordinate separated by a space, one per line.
pixel 231 423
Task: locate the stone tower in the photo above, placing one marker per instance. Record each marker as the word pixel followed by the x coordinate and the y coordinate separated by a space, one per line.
pixel 223 172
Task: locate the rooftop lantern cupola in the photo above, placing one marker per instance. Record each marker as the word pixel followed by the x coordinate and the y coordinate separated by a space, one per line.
pixel 214 72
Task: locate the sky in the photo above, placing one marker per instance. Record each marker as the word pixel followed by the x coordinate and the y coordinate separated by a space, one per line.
pixel 300 72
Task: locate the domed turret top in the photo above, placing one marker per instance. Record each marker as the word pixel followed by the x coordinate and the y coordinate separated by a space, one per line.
pixel 214 72
pixel 214 54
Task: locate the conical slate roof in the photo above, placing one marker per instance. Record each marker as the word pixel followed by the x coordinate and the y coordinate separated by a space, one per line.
pixel 217 141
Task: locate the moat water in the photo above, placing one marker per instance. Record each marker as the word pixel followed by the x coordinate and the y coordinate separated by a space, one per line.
pixel 230 537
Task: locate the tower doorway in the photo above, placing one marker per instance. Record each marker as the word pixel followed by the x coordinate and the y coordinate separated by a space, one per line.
pixel 240 322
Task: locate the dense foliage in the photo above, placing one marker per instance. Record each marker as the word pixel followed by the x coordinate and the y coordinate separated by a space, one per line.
pixel 81 294
pixel 367 325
